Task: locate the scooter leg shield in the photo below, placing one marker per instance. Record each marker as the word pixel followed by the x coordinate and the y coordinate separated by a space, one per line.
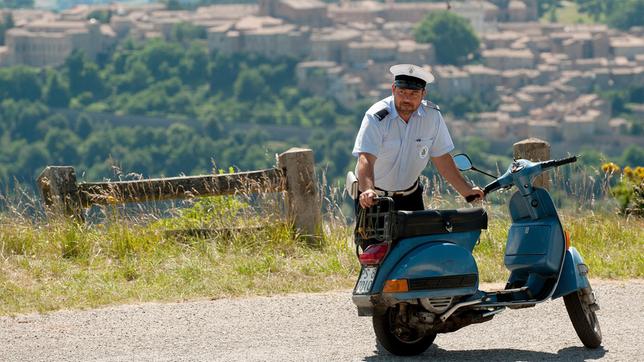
pixel 574 274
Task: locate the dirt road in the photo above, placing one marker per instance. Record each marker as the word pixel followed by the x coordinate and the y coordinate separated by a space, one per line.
pixel 311 327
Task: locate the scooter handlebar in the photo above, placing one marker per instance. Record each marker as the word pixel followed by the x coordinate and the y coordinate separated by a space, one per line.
pixel 561 162
pixel 489 188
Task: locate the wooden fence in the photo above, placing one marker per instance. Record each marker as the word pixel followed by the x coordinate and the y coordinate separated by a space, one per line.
pixel 294 175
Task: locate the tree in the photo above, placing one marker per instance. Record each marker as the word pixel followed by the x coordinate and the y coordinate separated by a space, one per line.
pixel 547 6
pixel 16 4
pixel 597 9
pixel 56 93
pixel 633 156
pixel 222 70
pixel 161 58
pixel 184 32
pixel 6 23
pixel 628 14
pixel 20 82
pixel 193 66
pixel 249 85
pixel 83 75
pixel 103 16
pixel 452 36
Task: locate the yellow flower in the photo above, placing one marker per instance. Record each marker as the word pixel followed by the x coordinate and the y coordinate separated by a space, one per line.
pixel 628 172
pixel 610 167
pixel 639 172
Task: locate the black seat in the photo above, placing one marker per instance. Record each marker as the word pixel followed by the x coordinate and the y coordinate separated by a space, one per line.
pixel 428 222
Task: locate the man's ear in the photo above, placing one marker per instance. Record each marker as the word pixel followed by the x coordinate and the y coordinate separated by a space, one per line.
pixel 393 88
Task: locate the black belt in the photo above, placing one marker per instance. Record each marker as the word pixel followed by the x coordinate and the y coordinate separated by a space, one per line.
pixel 405 192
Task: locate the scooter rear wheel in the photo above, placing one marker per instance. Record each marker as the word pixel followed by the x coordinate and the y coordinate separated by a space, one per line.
pixel 400 338
pixel 583 317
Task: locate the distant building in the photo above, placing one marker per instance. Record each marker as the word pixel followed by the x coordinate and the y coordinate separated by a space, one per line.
pixel 49 43
pixel 302 12
pixel 627 46
pixel 264 35
pixel 503 59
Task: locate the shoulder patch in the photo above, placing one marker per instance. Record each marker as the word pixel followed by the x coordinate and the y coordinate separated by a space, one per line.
pixel 432 105
pixel 381 114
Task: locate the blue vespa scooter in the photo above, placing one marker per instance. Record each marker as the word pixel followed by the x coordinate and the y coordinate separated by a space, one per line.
pixel 419 278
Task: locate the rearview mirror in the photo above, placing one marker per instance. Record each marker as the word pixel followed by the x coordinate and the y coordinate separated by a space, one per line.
pixel 463 162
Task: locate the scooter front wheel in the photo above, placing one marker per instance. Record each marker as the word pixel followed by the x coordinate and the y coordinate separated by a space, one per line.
pixel 581 310
pixel 400 338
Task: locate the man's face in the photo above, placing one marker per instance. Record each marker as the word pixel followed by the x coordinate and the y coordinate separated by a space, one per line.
pixel 407 100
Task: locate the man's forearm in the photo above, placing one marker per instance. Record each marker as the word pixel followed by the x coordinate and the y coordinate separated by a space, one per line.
pixel 446 167
pixel 365 172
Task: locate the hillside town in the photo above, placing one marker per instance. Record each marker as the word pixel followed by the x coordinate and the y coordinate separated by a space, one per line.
pixel 545 75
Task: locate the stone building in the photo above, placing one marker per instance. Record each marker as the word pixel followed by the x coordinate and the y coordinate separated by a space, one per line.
pixel 264 35
pixel 627 46
pixel 303 12
pixel 332 44
pixel 49 43
pixel 452 81
pixel 544 129
pixel 504 59
pixel 577 128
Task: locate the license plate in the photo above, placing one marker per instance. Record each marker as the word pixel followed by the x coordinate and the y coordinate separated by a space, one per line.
pixel 367 276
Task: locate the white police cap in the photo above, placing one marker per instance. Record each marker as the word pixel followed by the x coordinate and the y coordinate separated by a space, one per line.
pixel 411 76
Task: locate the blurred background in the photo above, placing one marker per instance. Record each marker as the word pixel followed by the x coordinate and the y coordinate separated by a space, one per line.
pixel 127 90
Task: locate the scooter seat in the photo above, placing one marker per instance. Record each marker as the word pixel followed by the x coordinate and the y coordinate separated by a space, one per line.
pixel 429 222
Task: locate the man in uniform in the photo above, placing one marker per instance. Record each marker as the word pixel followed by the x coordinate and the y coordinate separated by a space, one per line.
pixel 398 137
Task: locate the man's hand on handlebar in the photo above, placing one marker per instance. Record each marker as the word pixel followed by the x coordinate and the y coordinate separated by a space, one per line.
pixel 367 198
pixel 475 194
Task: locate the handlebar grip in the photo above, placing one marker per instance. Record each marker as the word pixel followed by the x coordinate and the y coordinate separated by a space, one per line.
pixel 557 163
pixel 565 161
pixel 491 187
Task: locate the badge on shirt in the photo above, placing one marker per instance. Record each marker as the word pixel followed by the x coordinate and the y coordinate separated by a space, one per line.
pixel 424 151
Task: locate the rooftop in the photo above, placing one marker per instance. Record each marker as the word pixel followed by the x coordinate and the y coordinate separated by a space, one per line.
pixel 305 4
pixel 504 52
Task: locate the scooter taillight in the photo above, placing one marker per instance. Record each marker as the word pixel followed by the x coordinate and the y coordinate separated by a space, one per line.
pixel 374 254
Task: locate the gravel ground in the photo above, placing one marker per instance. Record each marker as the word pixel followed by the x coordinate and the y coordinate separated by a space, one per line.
pixel 311 327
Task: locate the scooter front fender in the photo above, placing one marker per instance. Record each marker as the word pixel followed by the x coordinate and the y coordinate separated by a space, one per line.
pixel 573 275
pixel 441 269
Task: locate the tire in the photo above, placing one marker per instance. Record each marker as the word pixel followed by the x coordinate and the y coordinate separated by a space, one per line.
pixel 583 318
pixel 400 339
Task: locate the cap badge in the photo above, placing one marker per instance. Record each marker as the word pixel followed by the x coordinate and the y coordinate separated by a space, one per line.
pixel 411 70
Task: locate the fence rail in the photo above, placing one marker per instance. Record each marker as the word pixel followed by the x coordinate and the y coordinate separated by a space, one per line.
pixel 293 174
pixel 92 193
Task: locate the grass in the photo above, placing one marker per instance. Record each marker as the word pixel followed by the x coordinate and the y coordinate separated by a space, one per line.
pixel 48 265
pixel 611 245
pixel 568 13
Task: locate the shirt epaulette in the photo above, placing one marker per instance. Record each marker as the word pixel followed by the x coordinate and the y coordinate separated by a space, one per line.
pixel 381 114
pixel 432 105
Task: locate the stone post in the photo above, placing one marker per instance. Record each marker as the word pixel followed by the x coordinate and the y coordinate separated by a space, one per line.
pixel 60 192
pixel 303 204
pixel 534 149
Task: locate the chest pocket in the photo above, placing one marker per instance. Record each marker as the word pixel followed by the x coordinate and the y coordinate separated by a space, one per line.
pixel 422 147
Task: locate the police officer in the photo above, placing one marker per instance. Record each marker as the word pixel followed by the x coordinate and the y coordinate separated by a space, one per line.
pixel 398 137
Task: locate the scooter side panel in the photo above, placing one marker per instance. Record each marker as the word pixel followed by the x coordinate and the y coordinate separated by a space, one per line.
pixel 429 257
pixel 571 278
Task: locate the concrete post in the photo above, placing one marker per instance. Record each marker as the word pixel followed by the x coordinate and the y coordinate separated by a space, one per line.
pixel 534 149
pixel 60 192
pixel 303 204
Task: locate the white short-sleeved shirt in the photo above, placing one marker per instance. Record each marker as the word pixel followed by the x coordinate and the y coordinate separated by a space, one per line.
pixel 402 149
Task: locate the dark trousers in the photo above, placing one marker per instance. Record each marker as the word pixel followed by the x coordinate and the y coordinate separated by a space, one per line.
pixel 411 202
